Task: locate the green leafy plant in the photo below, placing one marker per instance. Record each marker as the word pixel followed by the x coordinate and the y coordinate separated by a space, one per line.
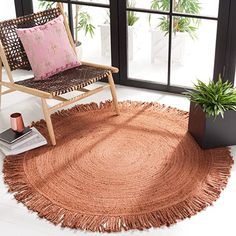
pixel 180 24
pixel 83 20
pixel 163 5
pixel 132 17
pixel 85 23
pixel 46 5
pixel 215 97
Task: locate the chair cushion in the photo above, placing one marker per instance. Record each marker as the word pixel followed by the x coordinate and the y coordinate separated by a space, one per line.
pixel 68 80
pixel 48 48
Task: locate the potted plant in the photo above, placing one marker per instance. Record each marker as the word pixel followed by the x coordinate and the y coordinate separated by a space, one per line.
pixel 183 29
pixel 83 21
pixel 212 116
pixel 105 32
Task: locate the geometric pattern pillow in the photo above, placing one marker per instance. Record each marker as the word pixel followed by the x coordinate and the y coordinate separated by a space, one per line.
pixel 48 48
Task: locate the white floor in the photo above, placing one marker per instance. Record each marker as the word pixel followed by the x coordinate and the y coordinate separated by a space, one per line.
pixel 16 220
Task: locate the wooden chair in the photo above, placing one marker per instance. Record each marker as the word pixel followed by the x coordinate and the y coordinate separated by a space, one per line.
pixel 13 56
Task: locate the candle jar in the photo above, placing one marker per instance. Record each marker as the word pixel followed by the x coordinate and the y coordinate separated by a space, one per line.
pixel 17 123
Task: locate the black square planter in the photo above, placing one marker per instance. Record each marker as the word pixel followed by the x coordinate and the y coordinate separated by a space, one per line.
pixel 210 132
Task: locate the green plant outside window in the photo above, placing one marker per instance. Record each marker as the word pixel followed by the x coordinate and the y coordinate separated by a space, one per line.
pixel 83 20
pixel 131 15
pixel 180 24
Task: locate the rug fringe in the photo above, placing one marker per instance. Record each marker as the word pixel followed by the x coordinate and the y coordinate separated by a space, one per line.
pixel 16 179
pixel 151 107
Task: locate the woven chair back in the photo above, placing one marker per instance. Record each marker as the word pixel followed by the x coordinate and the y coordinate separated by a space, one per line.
pixel 11 43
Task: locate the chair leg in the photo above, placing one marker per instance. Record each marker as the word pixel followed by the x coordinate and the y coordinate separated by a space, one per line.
pixel 113 93
pixel 48 121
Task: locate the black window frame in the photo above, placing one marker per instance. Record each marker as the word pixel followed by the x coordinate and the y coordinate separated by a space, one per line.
pixel 221 47
pixel 225 52
pixel 23 7
pixel 230 60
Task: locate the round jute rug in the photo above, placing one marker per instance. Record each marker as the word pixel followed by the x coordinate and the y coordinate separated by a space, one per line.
pixel 109 173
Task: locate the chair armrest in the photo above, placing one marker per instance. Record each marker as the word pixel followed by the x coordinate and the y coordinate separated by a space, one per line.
pixel 113 69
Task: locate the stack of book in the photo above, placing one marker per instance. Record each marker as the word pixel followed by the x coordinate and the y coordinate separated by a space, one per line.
pixel 13 143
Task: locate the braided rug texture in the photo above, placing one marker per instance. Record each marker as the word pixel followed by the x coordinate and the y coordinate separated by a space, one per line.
pixel 109 173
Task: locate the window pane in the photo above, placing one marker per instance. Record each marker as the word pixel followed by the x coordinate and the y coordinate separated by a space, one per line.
pixel 193 52
pixel 92 30
pixel 196 7
pixel 7 10
pixel 160 5
pixel 147 48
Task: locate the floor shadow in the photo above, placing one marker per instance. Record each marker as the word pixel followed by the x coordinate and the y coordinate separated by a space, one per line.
pixel 186 141
pixel 85 149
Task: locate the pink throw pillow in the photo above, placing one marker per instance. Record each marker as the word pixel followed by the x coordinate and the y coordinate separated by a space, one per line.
pixel 48 48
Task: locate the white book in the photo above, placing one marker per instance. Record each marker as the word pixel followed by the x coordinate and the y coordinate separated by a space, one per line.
pixel 37 141
pixel 21 141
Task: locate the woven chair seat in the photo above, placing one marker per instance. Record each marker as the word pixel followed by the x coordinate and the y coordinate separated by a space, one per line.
pixel 67 81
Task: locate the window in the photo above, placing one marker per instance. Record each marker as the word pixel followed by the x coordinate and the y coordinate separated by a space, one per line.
pixel 159 44
pixel 171 43
pixel 92 33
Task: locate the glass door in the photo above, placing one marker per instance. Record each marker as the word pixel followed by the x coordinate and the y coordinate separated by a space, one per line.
pixel 170 43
